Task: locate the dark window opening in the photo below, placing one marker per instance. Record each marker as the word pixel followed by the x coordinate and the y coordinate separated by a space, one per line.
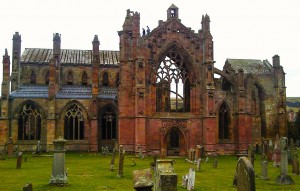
pixel 223 121
pixel 174 139
pixel 47 78
pixel 32 78
pixel 172 85
pixel 84 79
pixel 109 127
pixel 29 123
pixel 70 78
pixel 105 79
pixel 74 123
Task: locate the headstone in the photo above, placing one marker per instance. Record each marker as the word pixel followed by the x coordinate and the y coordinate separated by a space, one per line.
pixel 198 164
pixel 191 179
pixel 140 152
pixel 121 161
pixel 28 187
pixel 197 152
pixel 10 147
pixel 38 148
pixel 16 150
pixel 142 180
pixel 245 177
pixel 207 159
pixel 284 178
pixel 264 170
pixel 276 153
pixel 250 154
pixel 112 162
pixel 165 177
pixel 215 164
pixel 19 160
pixel 59 175
pixel 134 164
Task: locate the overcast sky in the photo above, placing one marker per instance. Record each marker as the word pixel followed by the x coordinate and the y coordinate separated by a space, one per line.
pixel 249 29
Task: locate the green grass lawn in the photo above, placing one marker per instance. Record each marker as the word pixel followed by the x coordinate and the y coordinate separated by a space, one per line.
pixel 91 172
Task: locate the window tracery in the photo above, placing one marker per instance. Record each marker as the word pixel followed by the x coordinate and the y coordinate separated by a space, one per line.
pixel 109 129
pixel 29 123
pixel 172 84
pixel 74 123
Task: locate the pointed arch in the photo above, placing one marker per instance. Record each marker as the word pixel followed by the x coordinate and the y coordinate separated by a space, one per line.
pixel 172 75
pixel 174 140
pixel 223 121
pixel 108 116
pixel 105 80
pixel 69 78
pixel 30 120
pixel 84 78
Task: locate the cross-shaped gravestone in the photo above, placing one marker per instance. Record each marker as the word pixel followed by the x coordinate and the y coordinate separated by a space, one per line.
pixel 284 178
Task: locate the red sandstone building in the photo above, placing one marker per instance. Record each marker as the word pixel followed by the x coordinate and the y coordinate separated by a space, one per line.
pixel 158 92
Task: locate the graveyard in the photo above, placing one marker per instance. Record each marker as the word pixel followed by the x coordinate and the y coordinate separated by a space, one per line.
pixel 94 171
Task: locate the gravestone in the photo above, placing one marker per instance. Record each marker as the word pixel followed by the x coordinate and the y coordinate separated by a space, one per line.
pixel 294 156
pixel 59 175
pixel 250 154
pixel 19 160
pixel 244 177
pixel 142 180
pixel 140 152
pixel 215 164
pixel 28 187
pixel 276 153
pixel 165 177
pixel 10 147
pixel 38 148
pixel 197 152
pixel 188 180
pixel 121 161
pixel 134 164
pixel 198 164
pixel 112 162
pixel 264 170
pixel 284 178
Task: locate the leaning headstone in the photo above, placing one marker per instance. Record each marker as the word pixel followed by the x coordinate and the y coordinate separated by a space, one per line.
pixel 165 177
pixel 19 160
pixel 10 147
pixel 264 170
pixel 250 154
pixel 59 175
pixel 142 180
pixel 284 178
pixel 198 164
pixel 112 162
pixel 133 162
pixel 28 187
pixel 245 177
pixel 121 161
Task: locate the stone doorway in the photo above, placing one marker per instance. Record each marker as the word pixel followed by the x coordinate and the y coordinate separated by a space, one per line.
pixel 175 142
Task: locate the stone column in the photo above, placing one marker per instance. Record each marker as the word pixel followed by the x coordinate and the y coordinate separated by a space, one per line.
pixel 59 176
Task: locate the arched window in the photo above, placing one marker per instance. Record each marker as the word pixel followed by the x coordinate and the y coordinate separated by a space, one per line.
pixel 74 123
pixel 84 78
pixel 105 79
pixel 172 84
pixel 223 121
pixel 109 125
pixel 29 123
pixel 32 77
pixel 47 78
pixel 70 78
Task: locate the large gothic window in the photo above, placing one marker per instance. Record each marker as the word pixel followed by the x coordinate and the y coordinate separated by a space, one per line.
pixel 223 121
pixel 172 84
pixel 29 123
pixel 109 128
pixel 74 123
